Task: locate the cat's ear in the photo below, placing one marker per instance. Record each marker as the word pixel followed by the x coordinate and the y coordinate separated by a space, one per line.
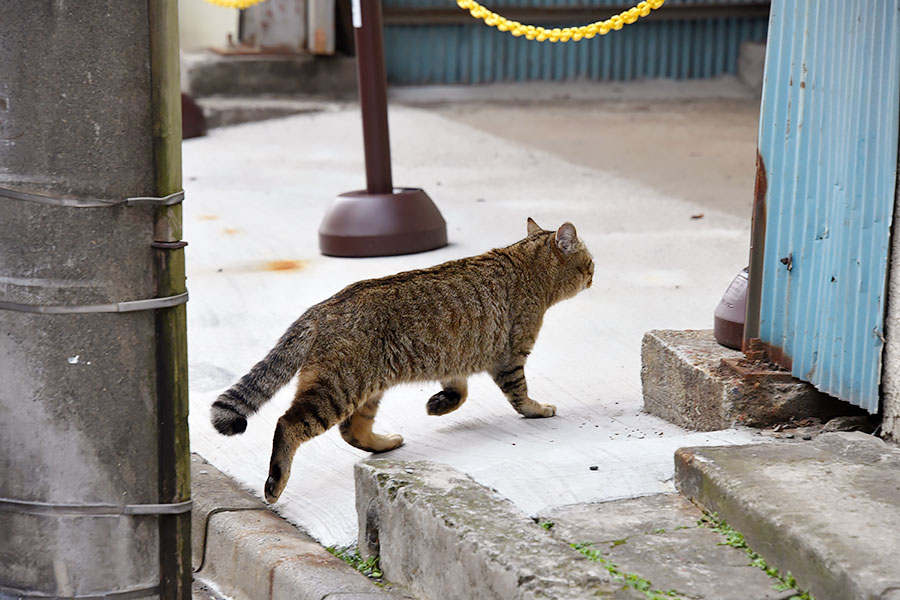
pixel 566 238
pixel 533 227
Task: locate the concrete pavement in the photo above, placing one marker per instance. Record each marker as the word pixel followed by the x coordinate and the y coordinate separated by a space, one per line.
pixel 257 194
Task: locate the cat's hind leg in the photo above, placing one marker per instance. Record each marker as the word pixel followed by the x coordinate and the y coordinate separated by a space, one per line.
pixel 357 429
pixel 450 398
pixel 318 405
pixel 510 378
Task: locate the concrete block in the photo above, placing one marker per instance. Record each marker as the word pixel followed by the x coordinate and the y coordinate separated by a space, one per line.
pixel 684 382
pixel 250 553
pixel 444 536
pixel 752 64
pixel 210 74
pixel 827 511
pixel 658 538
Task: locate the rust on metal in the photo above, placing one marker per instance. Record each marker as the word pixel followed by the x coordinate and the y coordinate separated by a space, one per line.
pixel 757 250
pixel 758 370
pixel 756 350
pixel 788 261
pixel 777 355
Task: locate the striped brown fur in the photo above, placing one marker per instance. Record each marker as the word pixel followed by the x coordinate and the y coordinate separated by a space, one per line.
pixel 444 323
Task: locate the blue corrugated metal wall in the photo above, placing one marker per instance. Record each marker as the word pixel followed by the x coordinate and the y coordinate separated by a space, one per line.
pixel 475 53
pixel 828 138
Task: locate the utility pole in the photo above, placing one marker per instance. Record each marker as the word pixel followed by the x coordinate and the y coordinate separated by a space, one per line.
pixel 94 463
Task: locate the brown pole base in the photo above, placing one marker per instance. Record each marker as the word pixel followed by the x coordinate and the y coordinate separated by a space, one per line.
pixel 362 224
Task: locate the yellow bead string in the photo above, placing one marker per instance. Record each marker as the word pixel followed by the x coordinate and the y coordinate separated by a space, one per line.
pixel 566 34
pixel 241 4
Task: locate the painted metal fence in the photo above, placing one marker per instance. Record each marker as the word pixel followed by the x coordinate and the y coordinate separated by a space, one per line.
pixel 433 41
pixel 827 178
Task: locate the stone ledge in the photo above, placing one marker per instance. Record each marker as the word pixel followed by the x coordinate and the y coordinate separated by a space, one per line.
pixel 442 535
pixel 827 511
pixel 684 382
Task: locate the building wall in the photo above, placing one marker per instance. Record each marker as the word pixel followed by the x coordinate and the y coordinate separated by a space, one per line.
pixel 201 25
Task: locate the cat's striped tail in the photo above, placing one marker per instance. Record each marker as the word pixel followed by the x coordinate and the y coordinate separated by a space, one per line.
pixel 230 411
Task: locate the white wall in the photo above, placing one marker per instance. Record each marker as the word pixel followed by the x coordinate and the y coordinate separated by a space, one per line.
pixel 202 25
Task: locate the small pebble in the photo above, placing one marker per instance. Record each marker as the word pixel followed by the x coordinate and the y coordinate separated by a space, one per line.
pixel 593 467
pixel 807 437
pixel 204 472
pixel 789 436
pixel 409 470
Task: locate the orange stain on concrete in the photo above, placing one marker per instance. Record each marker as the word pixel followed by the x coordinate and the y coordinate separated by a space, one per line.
pixel 208 217
pixel 231 230
pixel 284 265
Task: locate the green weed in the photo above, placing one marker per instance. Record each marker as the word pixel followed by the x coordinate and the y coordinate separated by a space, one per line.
pixel 736 540
pixel 632 580
pixel 368 567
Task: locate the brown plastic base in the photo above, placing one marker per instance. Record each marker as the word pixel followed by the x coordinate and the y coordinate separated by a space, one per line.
pixel 362 224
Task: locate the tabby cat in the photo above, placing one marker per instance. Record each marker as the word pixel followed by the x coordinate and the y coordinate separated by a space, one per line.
pixel 444 323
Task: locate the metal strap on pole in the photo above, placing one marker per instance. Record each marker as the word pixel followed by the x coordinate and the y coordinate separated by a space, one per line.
pixel 93 510
pixel 91 202
pixel 117 307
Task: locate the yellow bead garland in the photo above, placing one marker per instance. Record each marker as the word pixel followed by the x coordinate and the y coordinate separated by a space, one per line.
pixel 566 34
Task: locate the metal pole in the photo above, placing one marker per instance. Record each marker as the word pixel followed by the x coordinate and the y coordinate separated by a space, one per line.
pixel 93 439
pixel 373 98
pixel 380 220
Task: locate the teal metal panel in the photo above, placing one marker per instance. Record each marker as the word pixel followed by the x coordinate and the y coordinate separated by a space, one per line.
pixel 828 141
pixel 652 47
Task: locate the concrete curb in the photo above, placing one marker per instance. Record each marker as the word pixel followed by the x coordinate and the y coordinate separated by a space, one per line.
pixel 444 536
pixel 250 553
pixel 826 511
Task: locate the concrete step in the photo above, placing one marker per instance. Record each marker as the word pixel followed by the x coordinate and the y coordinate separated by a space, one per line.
pixel 444 536
pixel 662 540
pixel 212 74
pixel 221 111
pixel 827 510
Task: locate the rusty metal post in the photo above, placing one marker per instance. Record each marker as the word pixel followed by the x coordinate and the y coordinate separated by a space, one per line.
pixel 381 220
pixel 373 98
pixel 757 253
